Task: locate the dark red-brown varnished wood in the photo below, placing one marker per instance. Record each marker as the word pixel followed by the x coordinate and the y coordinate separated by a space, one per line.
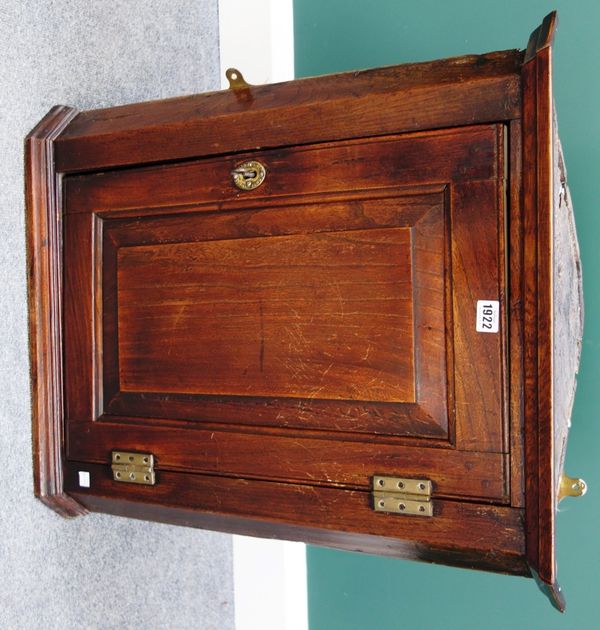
pixel 539 206
pixel 464 534
pixel 317 458
pixel 479 391
pixel 450 155
pixel 329 308
pixel 276 348
pixel 515 299
pixel 44 265
pixel 461 91
pixel 271 316
pixel 302 328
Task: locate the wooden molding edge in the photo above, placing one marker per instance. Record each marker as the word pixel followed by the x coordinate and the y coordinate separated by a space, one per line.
pixel 542 37
pixel 44 275
pixel 540 496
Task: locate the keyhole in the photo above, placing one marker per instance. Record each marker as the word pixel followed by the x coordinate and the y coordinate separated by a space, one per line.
pixel 248 175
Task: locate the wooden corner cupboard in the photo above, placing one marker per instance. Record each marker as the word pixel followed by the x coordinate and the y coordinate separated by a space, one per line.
pixel 344 310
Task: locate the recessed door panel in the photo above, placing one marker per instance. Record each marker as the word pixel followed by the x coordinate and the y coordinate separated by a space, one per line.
pixel 335 324
pixel 326 315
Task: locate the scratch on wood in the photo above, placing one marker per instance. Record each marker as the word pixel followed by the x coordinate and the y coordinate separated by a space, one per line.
pixel 178 317
pixel 327 370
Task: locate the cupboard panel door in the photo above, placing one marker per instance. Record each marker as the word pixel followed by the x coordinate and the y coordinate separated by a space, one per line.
pixel 341 319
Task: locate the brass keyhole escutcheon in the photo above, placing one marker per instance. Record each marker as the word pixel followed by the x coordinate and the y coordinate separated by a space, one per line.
pixel 249 175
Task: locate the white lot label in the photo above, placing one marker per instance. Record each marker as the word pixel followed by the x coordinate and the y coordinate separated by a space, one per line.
pixel 487 316
pixel 84 479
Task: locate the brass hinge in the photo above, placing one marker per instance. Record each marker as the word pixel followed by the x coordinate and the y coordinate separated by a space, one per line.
pixel 133 467
pixel 398 495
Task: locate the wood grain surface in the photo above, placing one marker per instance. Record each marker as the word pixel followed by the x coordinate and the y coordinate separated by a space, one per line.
pixel 44 267
pixel 317 458
pixel 340 312
pixel 449 155
pixel 326 315
pixel 466 534
pixel 461 91
pixel 538 205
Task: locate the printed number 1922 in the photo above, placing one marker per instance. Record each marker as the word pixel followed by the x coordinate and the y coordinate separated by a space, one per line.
pixel 487 316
